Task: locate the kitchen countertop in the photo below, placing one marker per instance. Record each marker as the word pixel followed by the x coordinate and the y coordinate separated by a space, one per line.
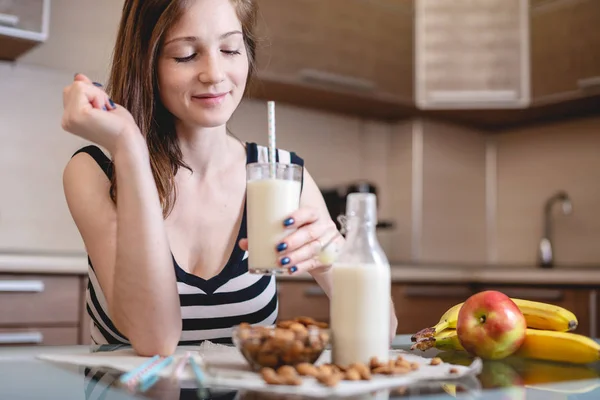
pixel 43 264
pixel 401 272
pixel 465 275
pixel 22 376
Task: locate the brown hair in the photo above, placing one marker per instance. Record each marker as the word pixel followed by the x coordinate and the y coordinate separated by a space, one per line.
pixel 133 81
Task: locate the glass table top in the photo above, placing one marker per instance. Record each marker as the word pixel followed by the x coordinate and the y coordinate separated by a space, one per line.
pixel 22 376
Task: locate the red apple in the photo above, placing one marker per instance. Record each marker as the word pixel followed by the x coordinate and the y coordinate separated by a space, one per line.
pixel 490 325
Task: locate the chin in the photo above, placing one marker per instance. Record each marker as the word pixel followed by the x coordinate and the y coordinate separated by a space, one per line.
pixel 209 121
pixel 211 116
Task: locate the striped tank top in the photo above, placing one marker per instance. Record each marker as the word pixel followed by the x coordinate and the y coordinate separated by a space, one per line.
pixel 209 308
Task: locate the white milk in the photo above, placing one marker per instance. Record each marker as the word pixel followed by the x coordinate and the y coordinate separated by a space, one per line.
pixel 360 313
pixel 269 203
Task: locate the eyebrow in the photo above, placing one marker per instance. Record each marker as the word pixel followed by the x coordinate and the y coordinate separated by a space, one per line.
pixel 195 38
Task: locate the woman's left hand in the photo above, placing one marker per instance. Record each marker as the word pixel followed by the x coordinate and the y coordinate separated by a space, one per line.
pixel 301 251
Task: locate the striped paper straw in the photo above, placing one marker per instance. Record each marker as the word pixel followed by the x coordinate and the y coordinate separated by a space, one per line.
pixel 271 115
pixel 136 372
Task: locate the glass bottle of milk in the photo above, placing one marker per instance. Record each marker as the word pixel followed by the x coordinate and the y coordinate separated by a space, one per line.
pixel 360 302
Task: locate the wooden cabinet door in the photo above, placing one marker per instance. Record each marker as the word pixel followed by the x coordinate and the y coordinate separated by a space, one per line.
pixel 565 44
pixel 354 45
pixel 38 300
pixel 421 306
pixel 302 299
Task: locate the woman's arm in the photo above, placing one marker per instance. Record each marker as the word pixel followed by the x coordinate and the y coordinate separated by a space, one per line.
pixel 127 244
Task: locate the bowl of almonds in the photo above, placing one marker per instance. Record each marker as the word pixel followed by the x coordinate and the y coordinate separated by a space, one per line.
pixel 291 342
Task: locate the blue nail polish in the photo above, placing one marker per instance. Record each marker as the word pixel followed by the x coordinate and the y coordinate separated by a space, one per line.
pixel 104 108
pixel 281 246
pixel 285 261
pixel 293 269
pixel 112 103
pixel 288 221
pixel 97 84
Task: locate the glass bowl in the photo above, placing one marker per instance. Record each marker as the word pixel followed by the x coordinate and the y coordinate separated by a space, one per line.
pixel 287 343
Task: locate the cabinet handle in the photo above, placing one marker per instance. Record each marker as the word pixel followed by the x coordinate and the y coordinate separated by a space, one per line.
pixel 329 78
pixel 314 291
pixel 437 291
pixel 9 20
pixel 21 338
pixel 532 294
pixel 22 286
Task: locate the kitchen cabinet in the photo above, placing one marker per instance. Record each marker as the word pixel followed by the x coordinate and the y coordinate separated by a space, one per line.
pixel 302 298
pixel 336 54
pixel 420 306
pixel 565 44
pixel 40 309
pixel 23 25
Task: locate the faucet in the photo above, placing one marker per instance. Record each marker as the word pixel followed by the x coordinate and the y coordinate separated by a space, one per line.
pixel 546 253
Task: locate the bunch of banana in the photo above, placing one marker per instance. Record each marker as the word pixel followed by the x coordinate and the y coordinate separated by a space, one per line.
pixel 539 344
pixel 537 314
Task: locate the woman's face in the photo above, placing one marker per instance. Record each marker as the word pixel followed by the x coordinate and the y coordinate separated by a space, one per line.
pixel 203 65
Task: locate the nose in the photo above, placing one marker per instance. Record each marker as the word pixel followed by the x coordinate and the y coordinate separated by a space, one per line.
pixel 212 70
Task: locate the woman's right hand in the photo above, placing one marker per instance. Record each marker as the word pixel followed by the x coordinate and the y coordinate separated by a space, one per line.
pixel 91 115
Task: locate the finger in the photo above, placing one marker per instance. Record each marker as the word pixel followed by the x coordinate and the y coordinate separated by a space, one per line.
pixel 305 266
pixel 302 216
pixel 88 94
pixel 99 101
pixel 243 243
pixel 305 234
pixel 82 78
pixel 108 103
pixel 299 256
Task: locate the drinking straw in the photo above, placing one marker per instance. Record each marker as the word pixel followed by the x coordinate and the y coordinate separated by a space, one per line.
pixel 137 371
pixel 149 375
pixel 271 116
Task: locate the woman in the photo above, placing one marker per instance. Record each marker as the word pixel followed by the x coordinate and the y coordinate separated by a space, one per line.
pixel 164 221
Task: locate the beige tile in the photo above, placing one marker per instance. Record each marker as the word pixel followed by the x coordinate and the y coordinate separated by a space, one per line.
pixel 375 151
pixel 399 178
pixel 535 162
pixel 453 209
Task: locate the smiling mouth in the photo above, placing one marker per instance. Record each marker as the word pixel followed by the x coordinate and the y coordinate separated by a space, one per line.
pixel 210 95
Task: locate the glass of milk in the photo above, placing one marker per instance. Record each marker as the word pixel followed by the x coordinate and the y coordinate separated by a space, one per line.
pixel 361 298
pixel 272 194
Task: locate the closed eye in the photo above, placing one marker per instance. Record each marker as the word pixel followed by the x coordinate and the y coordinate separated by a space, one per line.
pixel 231 52
pixel 185 59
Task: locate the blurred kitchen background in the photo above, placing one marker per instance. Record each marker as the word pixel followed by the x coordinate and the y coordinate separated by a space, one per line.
pixel 477 123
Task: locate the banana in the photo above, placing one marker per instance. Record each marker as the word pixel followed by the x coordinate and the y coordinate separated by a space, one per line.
pixel 537 314
pixel 544 316
pixel 446 340
pixel 559 346
pixel 448 320
pixel 539 344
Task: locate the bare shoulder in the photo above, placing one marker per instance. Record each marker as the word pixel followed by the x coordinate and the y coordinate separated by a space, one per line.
pixel 87 191
pixel 83 176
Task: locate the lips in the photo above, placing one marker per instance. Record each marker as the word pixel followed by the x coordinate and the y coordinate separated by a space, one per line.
pixel 209 95
pixel 209 99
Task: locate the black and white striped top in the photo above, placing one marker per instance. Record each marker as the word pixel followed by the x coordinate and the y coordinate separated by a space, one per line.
pixel 209 308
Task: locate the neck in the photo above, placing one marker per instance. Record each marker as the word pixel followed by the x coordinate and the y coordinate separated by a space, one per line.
pixel 207 150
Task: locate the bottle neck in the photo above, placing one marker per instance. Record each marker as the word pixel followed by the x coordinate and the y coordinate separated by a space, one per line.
pixel 360 228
